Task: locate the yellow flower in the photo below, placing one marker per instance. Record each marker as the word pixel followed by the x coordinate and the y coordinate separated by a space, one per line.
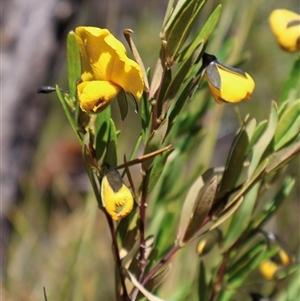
pixel 285 25
pixel 268 269
pixel 116 197
pixel 226 83
pixel 106 69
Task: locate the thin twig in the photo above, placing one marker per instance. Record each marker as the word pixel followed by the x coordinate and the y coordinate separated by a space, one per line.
pixel 142 259
pixel 145 157
pixel 117 255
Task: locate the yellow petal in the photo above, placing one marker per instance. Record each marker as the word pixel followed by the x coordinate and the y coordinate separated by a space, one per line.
pixel 116 197
pixel 268 269
pixel 285 25
pixel 232 87
pixel 105 58
pixel 95 96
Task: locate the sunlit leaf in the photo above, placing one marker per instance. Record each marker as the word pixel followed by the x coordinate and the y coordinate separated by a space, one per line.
pixel 288 125
pixel 264 140
pixel 182 27
pixel 291 87
pixel 67 112
pixel 256 135
pixel 204 34
pixel 74 64
pixel 236 156
pixel 195 208
pixel 283 156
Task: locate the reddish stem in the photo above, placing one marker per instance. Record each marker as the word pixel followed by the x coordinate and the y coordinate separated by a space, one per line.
pixel 172 251
pixel 117 255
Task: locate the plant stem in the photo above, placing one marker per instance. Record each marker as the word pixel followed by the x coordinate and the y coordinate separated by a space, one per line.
pixel 142 258
pixel 143 207
pixel 145 157
pixel 117 255
pixel 172 251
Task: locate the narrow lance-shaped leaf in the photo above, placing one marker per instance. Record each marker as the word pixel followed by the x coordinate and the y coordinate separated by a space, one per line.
pixel 156 78
pixel 74 64
pixel 111 150
pixel 102 130
pixel 123 104
pixel 65 106
pixel 291 87
pixel 272 206
pixel 176 34
pixel 204 34
pixel 155 142
pixel 236 157
pixel 256 135
pixel 283 156
pixel 288 125
pixel 240 220
pixel 264 140
pixel 179 77
pixel 186 25
pixel 174 13
pixel 195 209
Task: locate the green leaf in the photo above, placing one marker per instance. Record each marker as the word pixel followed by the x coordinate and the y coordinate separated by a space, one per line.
pixel 65 106
pixel 272 206
pixel 259 172
pixel 283 156
pixel 156 170
pixel 173 13
pixel 236 157
pixel 102 132
pixel 204 34
pixel 288 125
pixel 283 272
pixel 225 214
pixel 203 289
pixel 291 87
pixel 156 78
pixel 257 134
pixel 241 218
pixel 179 77
pixel 291 290
pixel 111 150
pixel 74 64
pixel 123 104
pixel 182 27
pixel 195 208
pixel 263 141
pixel 154 142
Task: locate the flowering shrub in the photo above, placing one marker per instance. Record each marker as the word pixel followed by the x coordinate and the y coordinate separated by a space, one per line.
pixel 178 203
